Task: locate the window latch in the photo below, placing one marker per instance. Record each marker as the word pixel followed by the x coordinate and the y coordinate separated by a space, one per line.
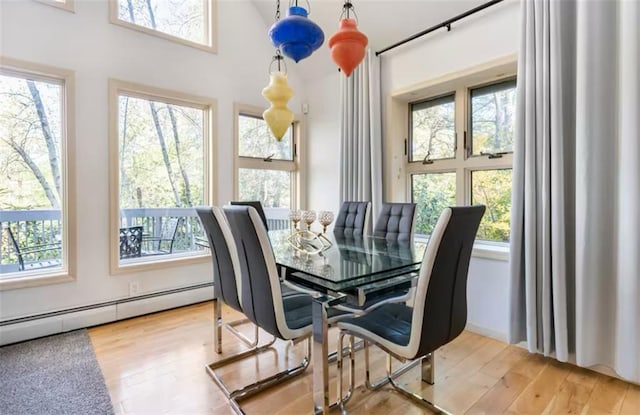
pixel 493 155
pixel 269 158
pixel 426 159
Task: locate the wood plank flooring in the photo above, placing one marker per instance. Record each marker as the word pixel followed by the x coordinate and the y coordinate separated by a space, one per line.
pixel 155 365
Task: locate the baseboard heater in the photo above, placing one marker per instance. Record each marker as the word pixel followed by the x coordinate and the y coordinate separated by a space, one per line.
pixel 45 324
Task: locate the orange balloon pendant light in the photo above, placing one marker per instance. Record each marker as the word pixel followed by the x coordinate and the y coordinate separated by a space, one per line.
pixel 348 43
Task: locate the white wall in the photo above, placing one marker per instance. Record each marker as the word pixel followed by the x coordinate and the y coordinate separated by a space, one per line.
pixel 473 41
pixel 96 50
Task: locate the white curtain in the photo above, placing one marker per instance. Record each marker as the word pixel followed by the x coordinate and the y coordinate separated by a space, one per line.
pixel 361 134
pixel 575 244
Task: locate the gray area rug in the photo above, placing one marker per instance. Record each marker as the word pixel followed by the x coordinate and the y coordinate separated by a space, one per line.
pixel 52 375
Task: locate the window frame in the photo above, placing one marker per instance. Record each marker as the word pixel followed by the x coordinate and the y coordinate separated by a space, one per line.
pixel 211 29
pixel 66 78
pixel 67 5
pixel 293 166
pixel 209 108
pixel 464 163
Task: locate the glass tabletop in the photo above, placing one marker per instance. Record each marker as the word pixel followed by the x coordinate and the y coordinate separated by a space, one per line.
pixel 348 263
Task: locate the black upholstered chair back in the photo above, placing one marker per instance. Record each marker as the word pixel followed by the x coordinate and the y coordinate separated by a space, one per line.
pixel 442 287
pixel 395 222
pixel 222 247
pixel 352 220
pixel 257 205
pixel 260 284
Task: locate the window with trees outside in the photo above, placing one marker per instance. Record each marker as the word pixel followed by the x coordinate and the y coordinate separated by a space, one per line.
pixel 460 152
pixel 61 4
pixel 161 145
pixel 190 22
pixel 266 170
pixel 36 134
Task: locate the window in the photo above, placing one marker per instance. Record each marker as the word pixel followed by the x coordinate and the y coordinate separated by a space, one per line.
pixel 36 213
pixel 161 145
pixel 190 22
pixel 266 170
pixel 61 4
pixel 460 152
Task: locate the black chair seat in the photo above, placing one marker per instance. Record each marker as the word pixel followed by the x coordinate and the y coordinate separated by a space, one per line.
pixel 391 322
pixel 297 310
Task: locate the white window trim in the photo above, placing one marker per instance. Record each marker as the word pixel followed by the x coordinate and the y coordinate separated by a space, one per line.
pixel 67 5
pixel 209 107
pixel 67 150
pixel 211 28
pixel 396 165
pixel 294 166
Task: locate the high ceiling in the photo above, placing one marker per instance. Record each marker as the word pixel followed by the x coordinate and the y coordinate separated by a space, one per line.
pixel 384 22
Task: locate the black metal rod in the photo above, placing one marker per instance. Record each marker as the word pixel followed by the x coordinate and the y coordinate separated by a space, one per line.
pixel 446 24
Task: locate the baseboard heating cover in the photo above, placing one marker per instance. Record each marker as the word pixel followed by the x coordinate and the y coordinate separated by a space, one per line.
pixel 46 324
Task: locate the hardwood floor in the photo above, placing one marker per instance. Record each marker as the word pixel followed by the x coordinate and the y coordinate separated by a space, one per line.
pixel 155 365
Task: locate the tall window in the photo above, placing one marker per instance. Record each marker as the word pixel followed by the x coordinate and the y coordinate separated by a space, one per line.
pixel 161 172
pixel 35 138
pixel 191 22
pixel 266 170
pixel 460 152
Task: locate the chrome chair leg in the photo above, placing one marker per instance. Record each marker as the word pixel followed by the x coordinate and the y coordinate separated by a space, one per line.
pixel 343 399
pixel 231 326
pixel 373 386
pixel 217 322
pixel 236 395
pixel 428 368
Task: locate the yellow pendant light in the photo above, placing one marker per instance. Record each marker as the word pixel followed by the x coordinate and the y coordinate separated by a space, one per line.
pixel 278 117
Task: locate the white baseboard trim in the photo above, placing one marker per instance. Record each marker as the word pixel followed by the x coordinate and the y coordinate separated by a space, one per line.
pixel 101 314
pixel 485 331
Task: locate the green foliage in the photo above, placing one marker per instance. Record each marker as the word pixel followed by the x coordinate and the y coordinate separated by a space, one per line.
pixel 432 193
pixel 22 142
pixel 145 180
pixel 492 188
pixel 271 187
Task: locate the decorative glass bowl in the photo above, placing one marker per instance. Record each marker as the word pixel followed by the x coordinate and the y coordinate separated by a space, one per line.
pixel 295 216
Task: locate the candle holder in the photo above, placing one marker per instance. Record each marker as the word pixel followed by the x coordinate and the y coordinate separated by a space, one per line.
pixel 325 218
pixel 295 216
pixel 309 216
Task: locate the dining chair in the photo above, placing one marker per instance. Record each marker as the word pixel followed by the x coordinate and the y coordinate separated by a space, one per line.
pixel 352 220
pixel 226 274
pixel 257 205
pixel 285 317
pixel 396 222
pixel 439 313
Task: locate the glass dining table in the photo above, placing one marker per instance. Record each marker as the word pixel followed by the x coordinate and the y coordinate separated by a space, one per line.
pixel 350 272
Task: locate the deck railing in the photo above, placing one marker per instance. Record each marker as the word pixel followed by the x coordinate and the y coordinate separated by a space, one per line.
pixel 40 227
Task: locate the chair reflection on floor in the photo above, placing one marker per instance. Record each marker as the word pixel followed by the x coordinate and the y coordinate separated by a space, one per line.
pixel 439 313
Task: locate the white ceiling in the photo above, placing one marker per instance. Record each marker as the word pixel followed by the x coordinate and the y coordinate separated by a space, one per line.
pixel 385 22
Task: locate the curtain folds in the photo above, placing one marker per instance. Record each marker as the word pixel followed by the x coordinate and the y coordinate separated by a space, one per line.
pixel 361 134
pixel 575 245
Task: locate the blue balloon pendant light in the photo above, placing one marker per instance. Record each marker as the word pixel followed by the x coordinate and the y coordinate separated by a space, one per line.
pixel 295 35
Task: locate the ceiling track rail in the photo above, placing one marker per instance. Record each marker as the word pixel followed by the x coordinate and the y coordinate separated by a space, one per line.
pixel 446 24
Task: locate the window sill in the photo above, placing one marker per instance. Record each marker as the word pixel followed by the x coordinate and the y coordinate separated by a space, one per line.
pixel 489 251
pixel 482 249
pixel 26 279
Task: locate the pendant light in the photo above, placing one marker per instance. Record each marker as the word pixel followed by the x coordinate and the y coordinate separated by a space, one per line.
pixel 296 35
pixel 278 116
pixel 348 43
